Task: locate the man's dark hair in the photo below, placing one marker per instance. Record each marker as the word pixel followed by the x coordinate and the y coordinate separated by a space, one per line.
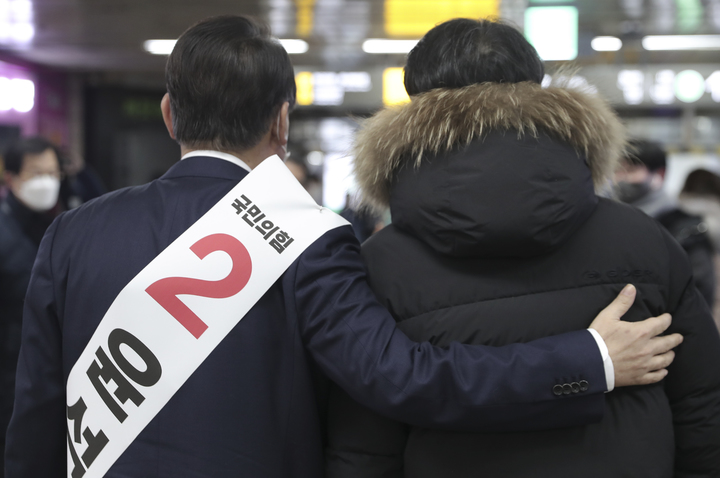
pixel 703 182
pixel 463 52
pixel 16 151
pixel 647 153
pixel 227 79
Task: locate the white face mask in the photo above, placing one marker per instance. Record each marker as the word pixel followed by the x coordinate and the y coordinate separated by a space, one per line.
pixel 40 193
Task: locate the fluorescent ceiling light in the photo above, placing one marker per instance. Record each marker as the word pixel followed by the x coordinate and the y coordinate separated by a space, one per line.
pixel 159 47
pixel 294 47
pixel 681 42
pixel 165 47
pixel 606 44
pixel 380 46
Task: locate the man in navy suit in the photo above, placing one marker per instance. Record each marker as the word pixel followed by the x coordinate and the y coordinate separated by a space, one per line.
pixel 255 406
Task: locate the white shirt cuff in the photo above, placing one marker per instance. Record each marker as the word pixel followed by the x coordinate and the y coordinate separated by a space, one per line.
pixel 607 361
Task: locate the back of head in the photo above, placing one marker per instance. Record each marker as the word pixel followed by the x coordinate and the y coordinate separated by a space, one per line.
pixel 227 78
pixel 647 153
pixel 463 52
pixel 703 182
pixel 16 151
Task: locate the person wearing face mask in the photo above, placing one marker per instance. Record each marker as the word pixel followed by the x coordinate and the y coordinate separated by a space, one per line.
pixel 32 175
pixel 639 182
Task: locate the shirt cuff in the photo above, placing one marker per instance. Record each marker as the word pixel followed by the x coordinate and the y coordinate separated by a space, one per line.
pixel 607 361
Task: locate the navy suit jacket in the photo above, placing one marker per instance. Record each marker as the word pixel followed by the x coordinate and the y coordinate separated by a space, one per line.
pixel 255 408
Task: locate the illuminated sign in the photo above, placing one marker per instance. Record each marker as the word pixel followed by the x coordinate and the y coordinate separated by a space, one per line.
pixel 16 21
pixel 553 31
pixel 394 87
pixel 712 85
pixel 413 18
pixel 575 82
pixel 666 86
pixel 632 84
pixel 16 94
pixel 689 86
pixel 328 88
pixel 663 91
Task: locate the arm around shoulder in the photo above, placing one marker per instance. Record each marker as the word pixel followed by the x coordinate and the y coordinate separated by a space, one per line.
pixel 476 388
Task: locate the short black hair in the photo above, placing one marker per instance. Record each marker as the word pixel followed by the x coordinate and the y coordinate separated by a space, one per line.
pixel 227 79
pixel 463 52
pixel 704 182
pixel 647 153
pixel 16 151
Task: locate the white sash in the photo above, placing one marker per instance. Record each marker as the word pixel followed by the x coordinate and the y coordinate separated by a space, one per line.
pixel 169 318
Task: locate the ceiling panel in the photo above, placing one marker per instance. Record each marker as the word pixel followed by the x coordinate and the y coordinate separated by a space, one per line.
pixel 107 35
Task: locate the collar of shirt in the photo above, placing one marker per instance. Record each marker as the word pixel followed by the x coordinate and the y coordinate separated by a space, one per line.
pixel 217 154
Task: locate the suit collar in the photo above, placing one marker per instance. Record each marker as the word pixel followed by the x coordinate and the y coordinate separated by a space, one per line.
pixel 205 167
pixel 219 154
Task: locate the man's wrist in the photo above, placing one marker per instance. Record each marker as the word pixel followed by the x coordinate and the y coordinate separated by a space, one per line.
pixel 607 361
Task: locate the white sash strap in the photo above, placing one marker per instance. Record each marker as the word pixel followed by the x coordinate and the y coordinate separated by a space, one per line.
pixel 169 318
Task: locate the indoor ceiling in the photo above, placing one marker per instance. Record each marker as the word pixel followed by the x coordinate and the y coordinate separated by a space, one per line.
pixel 108 35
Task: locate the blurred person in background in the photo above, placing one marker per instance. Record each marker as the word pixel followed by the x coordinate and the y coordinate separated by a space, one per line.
pixel 491 182
pixel 639 182
pixel 80 183
pixel 32 175
pixel 301 172
pixel 364 222
pixel 255 406
pixel 701 196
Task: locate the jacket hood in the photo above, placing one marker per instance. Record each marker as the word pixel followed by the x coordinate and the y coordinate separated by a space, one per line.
pixel 489 169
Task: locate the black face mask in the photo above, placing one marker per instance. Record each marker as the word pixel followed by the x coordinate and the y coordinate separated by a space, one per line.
pixel 631 192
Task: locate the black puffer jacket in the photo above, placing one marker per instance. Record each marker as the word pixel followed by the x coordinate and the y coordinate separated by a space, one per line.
pixel 494 214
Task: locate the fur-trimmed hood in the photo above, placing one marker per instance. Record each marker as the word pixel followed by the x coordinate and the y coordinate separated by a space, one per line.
pixel 441 119
pixel 490 169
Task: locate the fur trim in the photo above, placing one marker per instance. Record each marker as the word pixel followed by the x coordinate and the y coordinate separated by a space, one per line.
pixel 440 119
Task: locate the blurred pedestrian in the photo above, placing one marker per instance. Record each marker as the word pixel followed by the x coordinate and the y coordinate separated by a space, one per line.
pixel 80 182
pixel 639 182
pixel 364 221
pixel 32 175
pixel 701 196
pixel 491 179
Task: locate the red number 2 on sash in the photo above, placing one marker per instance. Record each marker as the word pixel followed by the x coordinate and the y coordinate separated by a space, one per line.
pixel 165 291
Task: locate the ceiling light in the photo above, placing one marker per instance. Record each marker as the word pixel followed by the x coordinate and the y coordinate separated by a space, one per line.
pixel 380 46
pixel 159 47
pixel 22 33
pixel 681 42
pixel 294 47
pixel 606 44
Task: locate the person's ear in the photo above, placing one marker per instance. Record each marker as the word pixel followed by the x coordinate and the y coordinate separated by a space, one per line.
pixel 282 124
pixel 167 114
pixel 280 131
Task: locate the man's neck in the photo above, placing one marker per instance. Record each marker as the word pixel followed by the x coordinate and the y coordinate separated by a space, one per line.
pixel 252 157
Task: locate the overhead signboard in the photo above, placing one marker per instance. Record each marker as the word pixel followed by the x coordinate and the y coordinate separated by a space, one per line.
pixel 623 86
pixel 657 85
